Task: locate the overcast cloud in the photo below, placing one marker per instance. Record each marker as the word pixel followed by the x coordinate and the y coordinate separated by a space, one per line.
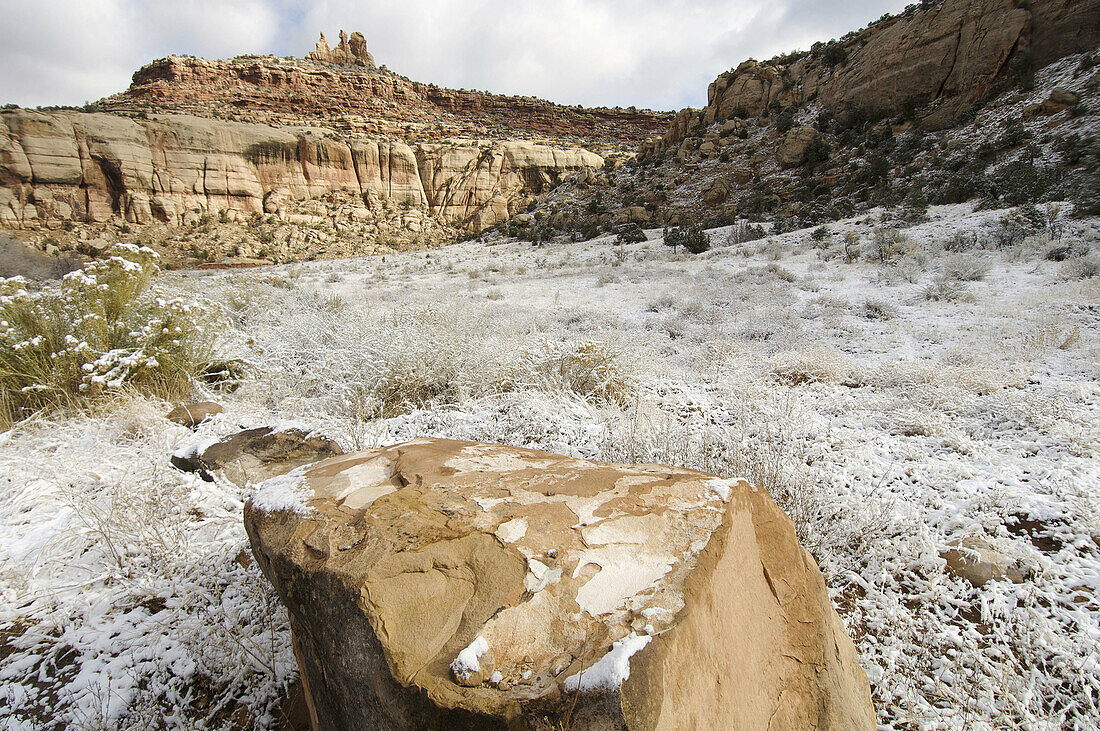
pixel 648 53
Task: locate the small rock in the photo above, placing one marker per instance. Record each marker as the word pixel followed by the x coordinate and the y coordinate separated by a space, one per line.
pixel 976 560
pixel 1058 100
pixel 191 415
pixel 253 455
pixel 792 151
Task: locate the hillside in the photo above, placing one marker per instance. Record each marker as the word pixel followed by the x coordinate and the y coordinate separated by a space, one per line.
pixel 946 102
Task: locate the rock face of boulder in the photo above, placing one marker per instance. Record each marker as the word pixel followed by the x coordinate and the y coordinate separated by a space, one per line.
pixel 792 151
pixel 442 584
pixel 76 166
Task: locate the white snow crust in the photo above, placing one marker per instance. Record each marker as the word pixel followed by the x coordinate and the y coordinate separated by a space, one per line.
pixel 610 670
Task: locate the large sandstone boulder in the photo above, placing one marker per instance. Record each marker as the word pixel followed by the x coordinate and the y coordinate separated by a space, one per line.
pixel 792 151
pixel 442 584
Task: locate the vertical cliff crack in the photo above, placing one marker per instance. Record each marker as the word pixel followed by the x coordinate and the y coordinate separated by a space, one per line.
pixel 954 60
pixel 355 169
pixel 771 585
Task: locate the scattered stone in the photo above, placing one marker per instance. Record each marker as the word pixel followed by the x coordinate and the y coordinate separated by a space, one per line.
pixel 451 584
pixel 254 455
pixel 792 151
pixel 1059 100
pixel 717 193
pixel 191 415
pixel 978 561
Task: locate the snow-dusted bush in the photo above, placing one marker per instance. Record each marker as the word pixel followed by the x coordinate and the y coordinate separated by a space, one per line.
pixel 945 287
pixel 967 268
pixel 99 329
pixel 1085 267
pixel 889 243
pixel 879 310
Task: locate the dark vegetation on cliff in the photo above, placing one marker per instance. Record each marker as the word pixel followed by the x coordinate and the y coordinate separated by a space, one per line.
pixel 946 102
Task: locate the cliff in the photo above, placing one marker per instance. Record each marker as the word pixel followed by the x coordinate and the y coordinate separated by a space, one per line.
pixel 334 143
pixel 938 57
pixel 365 99
pixel 71 166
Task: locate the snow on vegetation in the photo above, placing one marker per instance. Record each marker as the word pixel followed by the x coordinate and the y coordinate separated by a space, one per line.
pixel 895 392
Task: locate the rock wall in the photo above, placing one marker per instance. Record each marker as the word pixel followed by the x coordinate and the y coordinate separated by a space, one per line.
pixel 71 166
pixel 275 89
pixel 944 57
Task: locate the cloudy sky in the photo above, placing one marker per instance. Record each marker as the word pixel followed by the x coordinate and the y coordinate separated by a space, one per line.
pixel 648 53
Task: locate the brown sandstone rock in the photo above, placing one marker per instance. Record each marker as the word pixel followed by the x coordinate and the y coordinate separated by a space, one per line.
pixel 792 151
pixel 717 193
pixel 191 415
pixel 253 455
pixel 947 55
pixel 321 53
pixel 1058 100
pixel 357 45
pixel 441 584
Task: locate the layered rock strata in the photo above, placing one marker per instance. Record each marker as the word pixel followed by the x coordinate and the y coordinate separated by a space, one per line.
pixel 450 584
pixel 365 99
pixel 71 166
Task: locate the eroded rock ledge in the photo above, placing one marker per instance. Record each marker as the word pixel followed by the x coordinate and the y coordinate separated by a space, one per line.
pixel 73 166
pixel 452 584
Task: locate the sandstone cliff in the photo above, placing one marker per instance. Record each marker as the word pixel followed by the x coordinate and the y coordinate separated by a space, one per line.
pixel 365 99
pixel 940 57
pixel 355 153
pixel 70 166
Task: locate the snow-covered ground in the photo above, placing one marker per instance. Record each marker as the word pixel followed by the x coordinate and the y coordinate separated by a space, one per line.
pixel 886 423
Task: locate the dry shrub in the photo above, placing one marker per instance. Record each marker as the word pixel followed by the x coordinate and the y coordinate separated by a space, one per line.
pixel 589 368
pixel 422 357
pixel 967 268
pixel 946 288
pixel 1052 336
pixel 879 310
pixel 98 330
pixel 812 365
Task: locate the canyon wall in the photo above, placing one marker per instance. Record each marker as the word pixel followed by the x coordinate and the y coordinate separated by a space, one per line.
pixel 72 166
pixel 365 98
pixel 940 57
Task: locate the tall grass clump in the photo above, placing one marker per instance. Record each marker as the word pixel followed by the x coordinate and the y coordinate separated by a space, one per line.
pixel 99 329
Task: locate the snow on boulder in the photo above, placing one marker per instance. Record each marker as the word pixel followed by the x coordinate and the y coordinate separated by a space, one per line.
pixel 451 584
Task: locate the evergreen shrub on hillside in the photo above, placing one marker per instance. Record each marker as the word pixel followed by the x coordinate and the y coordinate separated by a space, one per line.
pixel 693 238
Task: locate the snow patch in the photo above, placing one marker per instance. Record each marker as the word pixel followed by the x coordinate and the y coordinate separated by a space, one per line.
pixel 288 493
pixel 194 450
pixel 610 670
pixel 466 664
pixel 512 530
pixel 721 487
